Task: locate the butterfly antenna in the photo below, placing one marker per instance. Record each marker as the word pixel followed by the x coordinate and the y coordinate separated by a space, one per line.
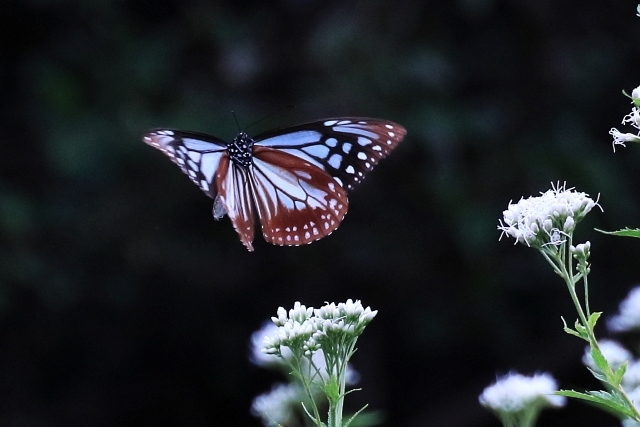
pixel 233 113
pixel 269 116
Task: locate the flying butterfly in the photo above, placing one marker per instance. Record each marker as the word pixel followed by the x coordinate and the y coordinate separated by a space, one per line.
pixel 294 179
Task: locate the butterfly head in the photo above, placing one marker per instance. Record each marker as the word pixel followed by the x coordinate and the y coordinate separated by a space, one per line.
pixel 241 149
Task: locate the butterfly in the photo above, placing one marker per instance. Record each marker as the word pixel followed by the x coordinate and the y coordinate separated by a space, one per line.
pixel 295 180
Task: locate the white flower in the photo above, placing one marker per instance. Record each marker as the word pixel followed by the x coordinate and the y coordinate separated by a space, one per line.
pixel 629 317
pixel 620 138
pixel 278 406
pixel 267 334
pixel 515 393
pixel 628 422
pixel 635 93
pixel 633 118
pixel 349 317
pixel 631 378
pixel 547 219
pixel 582 250
pixel 615 354
pixel 300 313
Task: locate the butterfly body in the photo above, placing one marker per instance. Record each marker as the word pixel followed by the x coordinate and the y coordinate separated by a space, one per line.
pixel 240 150
pixel 295 180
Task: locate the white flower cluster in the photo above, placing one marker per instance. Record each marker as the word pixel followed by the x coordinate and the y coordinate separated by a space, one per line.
pixel 547 219
pixel 633 119
pixel 629 317
pixel 315 346
pixel 278 406
pixel 267 360
pixel 305 328
pixel 515 393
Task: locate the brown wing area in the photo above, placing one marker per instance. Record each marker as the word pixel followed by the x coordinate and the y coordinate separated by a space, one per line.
pixel 234 192
pixel 297 202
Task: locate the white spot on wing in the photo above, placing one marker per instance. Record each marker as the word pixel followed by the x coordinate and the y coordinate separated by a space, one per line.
pixel 317 150
pixel 363 141
pixel 350 170
pixel 354 130
pixel 200 145
pixel 209 165
pixel 331 142
pixel 335 160
pixel 346 147
pixel 330 122
pixel 362 156
pixel 291 139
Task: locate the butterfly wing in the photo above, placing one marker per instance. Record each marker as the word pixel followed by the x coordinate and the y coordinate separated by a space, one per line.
pixel 346 147
pixel 198 155
pixel 297 202
pixel 235 197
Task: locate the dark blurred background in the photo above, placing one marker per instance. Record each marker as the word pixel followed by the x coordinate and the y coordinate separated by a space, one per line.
pixel 123 303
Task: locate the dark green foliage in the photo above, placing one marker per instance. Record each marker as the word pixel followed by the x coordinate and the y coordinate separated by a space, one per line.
pixel 123 303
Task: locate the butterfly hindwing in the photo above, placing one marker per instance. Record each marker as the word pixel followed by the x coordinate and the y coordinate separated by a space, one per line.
pixel 234 193
pixel 296 201
pixel 346 148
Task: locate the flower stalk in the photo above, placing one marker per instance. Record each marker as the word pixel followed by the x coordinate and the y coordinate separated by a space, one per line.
pixel 547 223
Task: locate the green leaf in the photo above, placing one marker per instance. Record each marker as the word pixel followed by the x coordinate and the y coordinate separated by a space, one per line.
pixel 600 360
pixel 332 390
pixel 572 332
pixel 367 419
pixel 618 374
pixel 593 319
pixel 598 375
pixel 627 232
pixel 581 330
pixel 611 400
pixel 306 411
pixel 569 330
pixel 346 424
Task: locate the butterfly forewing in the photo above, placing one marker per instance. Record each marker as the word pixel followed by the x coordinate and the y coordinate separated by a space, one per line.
pixel 197 154
pixel 346 148
pixel 297 202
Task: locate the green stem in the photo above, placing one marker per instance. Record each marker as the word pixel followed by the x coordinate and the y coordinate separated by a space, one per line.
pixel 564 267
pixel 307 380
